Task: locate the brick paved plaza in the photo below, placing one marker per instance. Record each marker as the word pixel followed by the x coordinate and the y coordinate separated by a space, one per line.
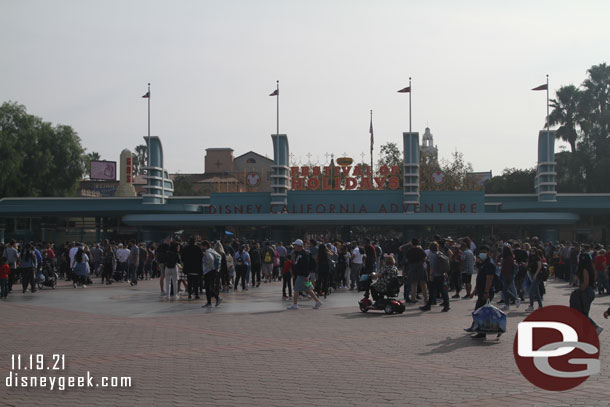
pixel 251 351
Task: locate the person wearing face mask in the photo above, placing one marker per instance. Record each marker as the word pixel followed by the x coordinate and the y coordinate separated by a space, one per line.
pixel 484 287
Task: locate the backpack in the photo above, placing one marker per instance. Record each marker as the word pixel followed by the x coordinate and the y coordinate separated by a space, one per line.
pixel 230 263
pixel 497 283
pixel 267 256
pixel 544 272
pixel 217 259
pixel 171 259
pixel 442 263
pixel 109 258
pixel 276 259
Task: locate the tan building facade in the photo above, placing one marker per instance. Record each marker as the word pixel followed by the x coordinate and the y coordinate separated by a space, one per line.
pixel 254 171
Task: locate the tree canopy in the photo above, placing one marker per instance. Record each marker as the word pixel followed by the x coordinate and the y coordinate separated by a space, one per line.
pixel 38 158
pixel 582 115
pixel 512 181
pixel 390 155
pixel 457 174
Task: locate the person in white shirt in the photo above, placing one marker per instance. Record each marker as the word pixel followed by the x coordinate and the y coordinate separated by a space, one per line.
pixel 355 266
pixel 122 254
pixel 210 273
pixel 72 253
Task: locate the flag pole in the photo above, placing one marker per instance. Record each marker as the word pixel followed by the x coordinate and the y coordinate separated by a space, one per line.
pixel 278 108
pixel 371 146
pixel 547 103
pixel 410 92
pixel 148 147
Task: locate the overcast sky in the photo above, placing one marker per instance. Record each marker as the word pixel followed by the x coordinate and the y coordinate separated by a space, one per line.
pixel 212 65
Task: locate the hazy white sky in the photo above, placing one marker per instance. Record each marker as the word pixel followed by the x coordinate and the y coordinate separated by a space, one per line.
pixel 212 64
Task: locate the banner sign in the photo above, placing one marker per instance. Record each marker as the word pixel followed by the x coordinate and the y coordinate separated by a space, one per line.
pixel 348 202
pixel 103 170
pixel 344 178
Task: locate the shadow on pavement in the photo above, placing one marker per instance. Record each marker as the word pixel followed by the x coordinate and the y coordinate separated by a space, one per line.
pixel 370 314
pixel 452 344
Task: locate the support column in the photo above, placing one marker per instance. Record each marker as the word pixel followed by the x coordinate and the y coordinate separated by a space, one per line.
pixel 550 235
pixel 346 233
pixel 411 169
pixel 281 171
pixel 281 234
pixel 98 231
pixel 409 232
pixel 546 183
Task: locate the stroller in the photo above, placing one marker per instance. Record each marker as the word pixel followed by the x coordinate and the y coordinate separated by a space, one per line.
pixel 387 300
pixel 118 275
pixel 46 277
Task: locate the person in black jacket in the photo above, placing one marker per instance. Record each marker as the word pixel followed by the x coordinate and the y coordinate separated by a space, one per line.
pixel 582 297
pixel 484 286
pixel 192 256
pixel 301 270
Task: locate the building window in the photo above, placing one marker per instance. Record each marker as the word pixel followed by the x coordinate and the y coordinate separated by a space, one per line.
pixel 251 161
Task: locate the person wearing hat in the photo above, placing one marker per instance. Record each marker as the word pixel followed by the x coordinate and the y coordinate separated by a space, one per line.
pixel 300 269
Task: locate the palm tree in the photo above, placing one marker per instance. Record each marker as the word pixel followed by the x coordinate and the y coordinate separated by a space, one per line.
pixel 566 114
pixel 140 159
pixel 92 156
pixel 596 98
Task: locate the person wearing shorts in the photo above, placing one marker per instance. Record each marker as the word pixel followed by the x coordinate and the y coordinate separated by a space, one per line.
pixel 300 268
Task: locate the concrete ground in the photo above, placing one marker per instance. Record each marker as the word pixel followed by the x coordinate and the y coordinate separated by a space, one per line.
pixel 251 351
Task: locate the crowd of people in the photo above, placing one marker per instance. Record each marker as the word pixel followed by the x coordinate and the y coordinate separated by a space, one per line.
pixel 515 270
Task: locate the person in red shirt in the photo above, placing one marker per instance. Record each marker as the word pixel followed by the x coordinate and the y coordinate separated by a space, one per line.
pixel 287 278
pixel 600 263
pixel 4 272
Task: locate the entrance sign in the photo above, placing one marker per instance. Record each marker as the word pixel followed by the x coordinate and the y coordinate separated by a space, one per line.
pixel 344 178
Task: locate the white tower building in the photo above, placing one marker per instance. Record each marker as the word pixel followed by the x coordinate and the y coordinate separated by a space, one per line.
pixel 427 148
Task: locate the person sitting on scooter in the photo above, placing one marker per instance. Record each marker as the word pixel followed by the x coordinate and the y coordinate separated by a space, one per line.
pixel 388 273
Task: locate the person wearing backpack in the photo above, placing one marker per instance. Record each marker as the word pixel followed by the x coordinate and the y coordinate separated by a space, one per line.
pixel 242 261
pixel 438 273
pixel 255 264
pixel 211 264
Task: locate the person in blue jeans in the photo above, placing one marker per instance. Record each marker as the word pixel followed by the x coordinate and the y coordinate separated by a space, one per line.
pixel 242 261
pixel 534 272
pixel 582 297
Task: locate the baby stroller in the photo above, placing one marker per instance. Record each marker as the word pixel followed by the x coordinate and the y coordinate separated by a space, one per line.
pixel 118 275
pixel 46 277
pixel 387 300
